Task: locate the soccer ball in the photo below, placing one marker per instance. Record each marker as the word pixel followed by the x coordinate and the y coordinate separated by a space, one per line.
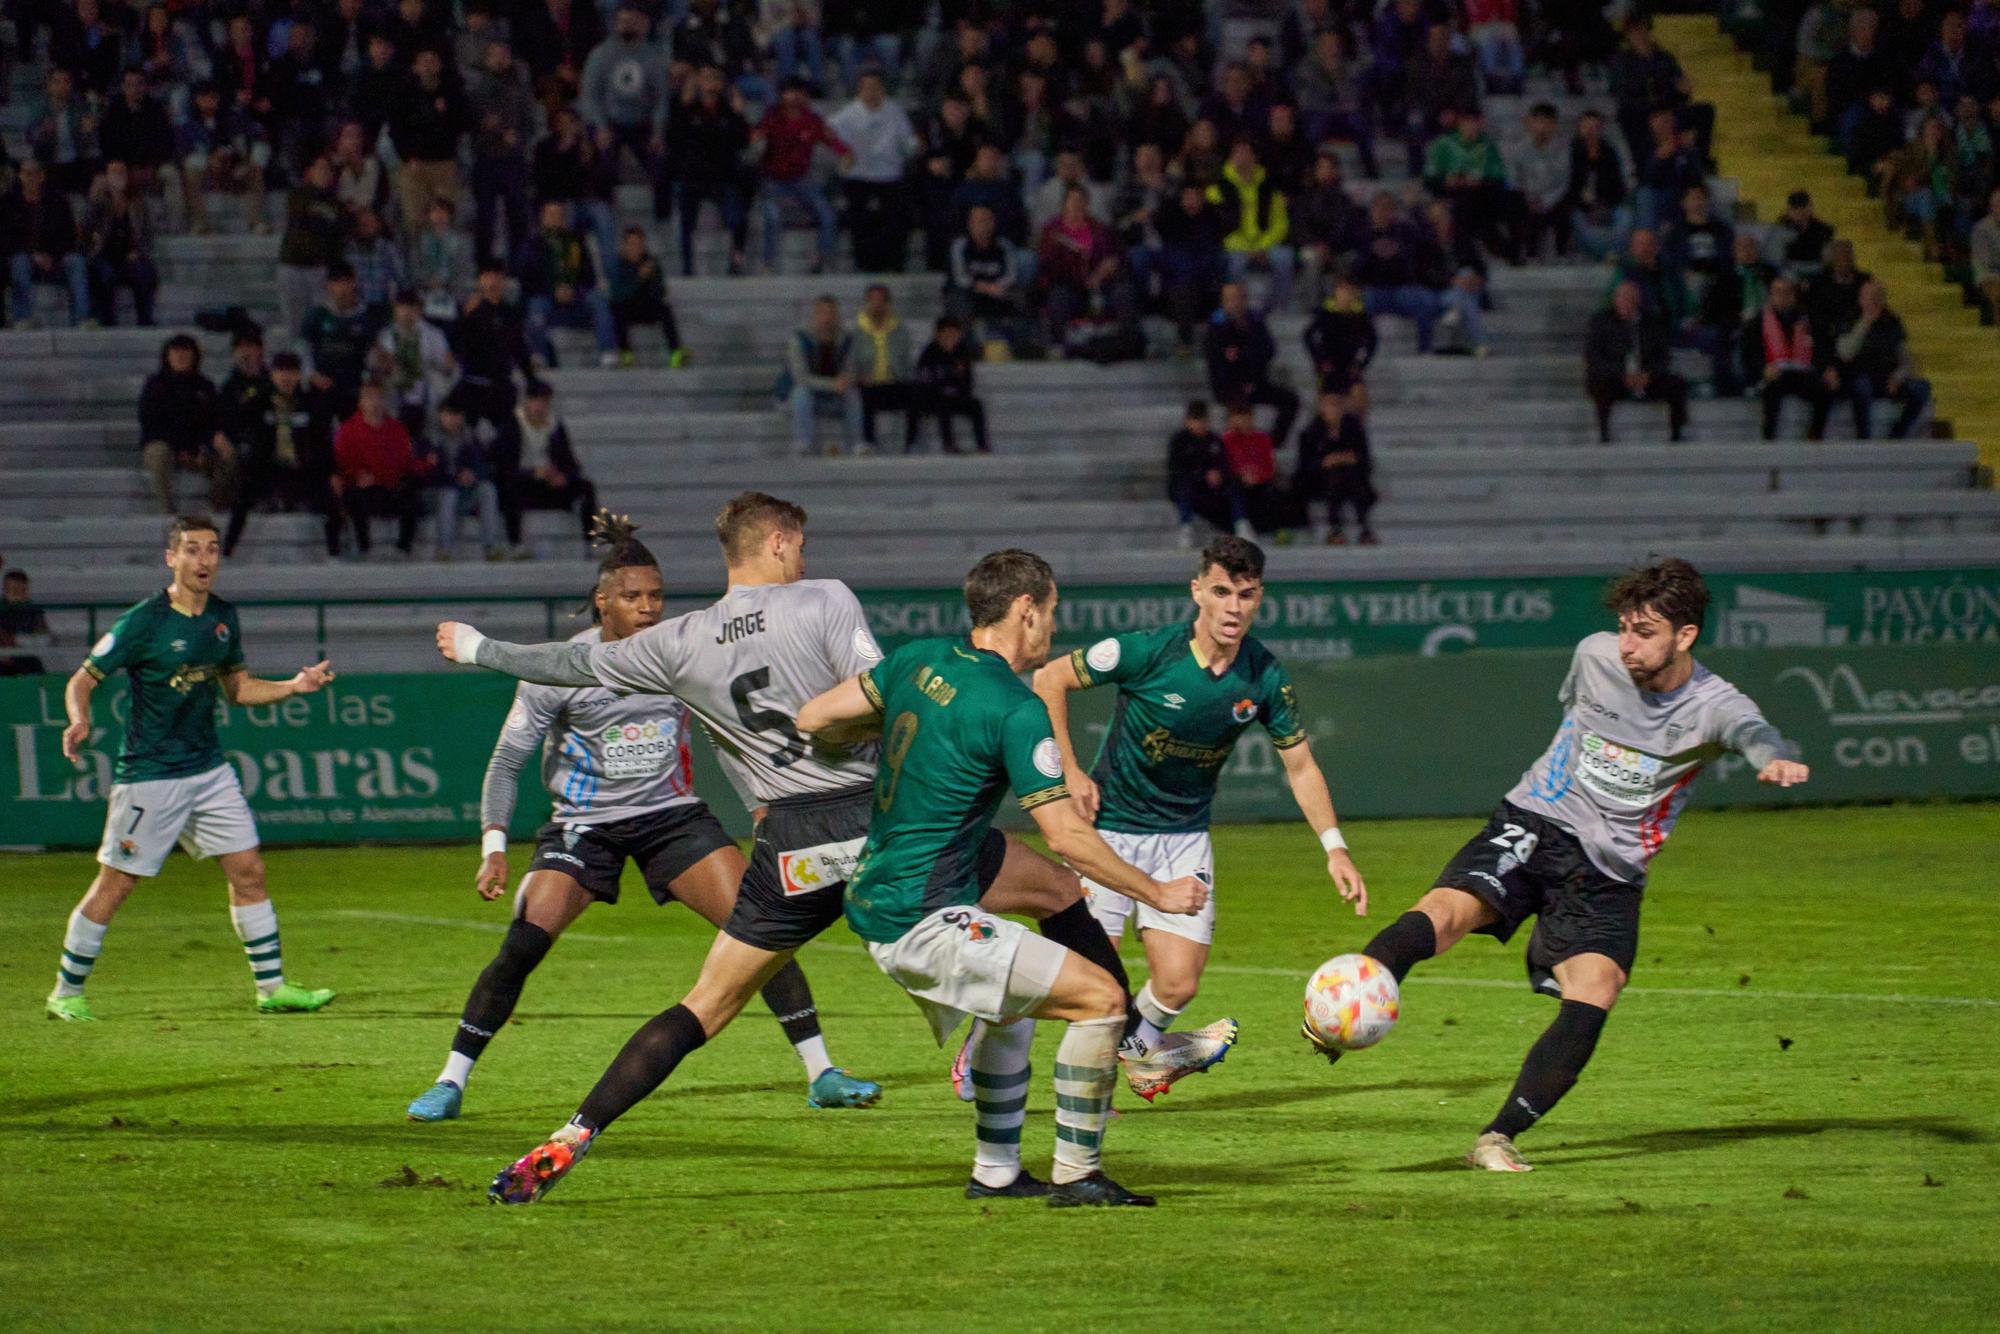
pixel 1351 1002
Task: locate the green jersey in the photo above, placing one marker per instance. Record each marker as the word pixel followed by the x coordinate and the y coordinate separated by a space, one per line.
pixel 958 729
pixel 176 663
pixel 1176 722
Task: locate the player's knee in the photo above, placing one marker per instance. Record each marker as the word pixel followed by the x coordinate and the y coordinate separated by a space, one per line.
pixel 523 949
pixel 1175 993
pixel 112 887
pixel 1098 996
pixel 1454 914
pixel 246 884
pixel 1593 982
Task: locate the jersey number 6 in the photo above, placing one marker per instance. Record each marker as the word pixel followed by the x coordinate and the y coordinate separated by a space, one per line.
pixel 755 719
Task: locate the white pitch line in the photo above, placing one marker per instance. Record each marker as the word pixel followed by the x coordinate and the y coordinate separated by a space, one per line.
pixel 1250 970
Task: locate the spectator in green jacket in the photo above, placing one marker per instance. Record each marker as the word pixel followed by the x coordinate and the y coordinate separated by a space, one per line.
pixel 1464 168
pixel 1254 210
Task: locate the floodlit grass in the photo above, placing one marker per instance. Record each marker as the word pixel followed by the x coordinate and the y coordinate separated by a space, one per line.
pixel 1790 1123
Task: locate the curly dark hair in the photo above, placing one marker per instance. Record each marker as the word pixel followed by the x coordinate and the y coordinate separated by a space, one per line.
pixel 617 536
pixel 1670 587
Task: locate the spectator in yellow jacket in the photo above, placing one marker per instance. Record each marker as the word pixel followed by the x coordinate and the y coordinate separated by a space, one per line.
pixel 1253 208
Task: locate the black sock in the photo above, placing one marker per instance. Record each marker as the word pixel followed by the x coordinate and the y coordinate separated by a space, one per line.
pixel 1075 929
pixel 649 1056
pixel 791 999
pixel 1553 1064
pixel 498 989
pixel 1403 944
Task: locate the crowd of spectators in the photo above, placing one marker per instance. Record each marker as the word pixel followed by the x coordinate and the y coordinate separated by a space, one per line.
pixel 1910 93
pixel 447 177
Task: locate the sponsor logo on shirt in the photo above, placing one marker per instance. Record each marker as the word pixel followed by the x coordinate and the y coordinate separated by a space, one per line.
pixel 1172 700
pixel 817 867
pixel 639 749
pixel 1618 773
pixel 179 646
pixel 1160 744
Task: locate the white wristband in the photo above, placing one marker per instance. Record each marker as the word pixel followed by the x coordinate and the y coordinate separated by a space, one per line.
pixel 465 642
pixel 1332 839
pixel 492 841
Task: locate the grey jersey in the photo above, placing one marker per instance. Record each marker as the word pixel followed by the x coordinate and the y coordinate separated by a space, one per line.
pixel 605 756
pixel 1621 765
pixel 746 665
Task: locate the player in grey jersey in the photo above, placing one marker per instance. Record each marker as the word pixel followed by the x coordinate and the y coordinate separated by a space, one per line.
pixel 745 666
pixel 620 771
pixel 1570 844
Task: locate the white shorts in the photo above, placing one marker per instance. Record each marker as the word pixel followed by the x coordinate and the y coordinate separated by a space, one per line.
pixel 205 814
pixel 1163 857
pixel 962 961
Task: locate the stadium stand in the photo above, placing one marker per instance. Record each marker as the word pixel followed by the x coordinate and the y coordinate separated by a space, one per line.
pixel 1484 464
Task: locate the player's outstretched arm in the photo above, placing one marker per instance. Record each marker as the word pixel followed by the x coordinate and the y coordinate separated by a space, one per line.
pixel 1076 841
pixel 1749 734
pixel 566 664
pixel 243 688
pixel 76 704
pixel 842 715
pixel 1315 801
pixel 1053 682
pixel 528 721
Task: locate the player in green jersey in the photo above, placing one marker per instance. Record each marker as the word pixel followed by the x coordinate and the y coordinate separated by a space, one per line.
pixel 182 650
pixel 959 728
pixel 1186 693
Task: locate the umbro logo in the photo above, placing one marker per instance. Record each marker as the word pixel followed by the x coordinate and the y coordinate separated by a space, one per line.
pixel 1172 701
pixel 180 645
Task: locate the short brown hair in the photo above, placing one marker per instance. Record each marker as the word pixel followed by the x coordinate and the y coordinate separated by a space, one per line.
pixel 999 580
pixel 1237 557
pixel 189 523
pixel 1671 588
pixel 750 517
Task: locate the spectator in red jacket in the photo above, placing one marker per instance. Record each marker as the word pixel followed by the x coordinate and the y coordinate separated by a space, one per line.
pixel 375 470
pixel 1254 462
pixel 1081 270
pixel 787 135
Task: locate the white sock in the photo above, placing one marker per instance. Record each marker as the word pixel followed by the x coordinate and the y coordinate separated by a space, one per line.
pixel 1000 1074
pixel 1086 1072
pixel 1154 1018
pixel 257 927
pixel 813 1052
pixel 82 943
pixel 457 1069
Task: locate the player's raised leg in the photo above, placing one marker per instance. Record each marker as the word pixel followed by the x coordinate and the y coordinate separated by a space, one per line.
pixel 546 904
pixel 710 888
pixel 256 923
pixel 1439 920
pixel 1590 986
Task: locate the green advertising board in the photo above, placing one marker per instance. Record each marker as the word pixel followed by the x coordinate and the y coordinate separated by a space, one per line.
pixel 1357 619
pixel 400 758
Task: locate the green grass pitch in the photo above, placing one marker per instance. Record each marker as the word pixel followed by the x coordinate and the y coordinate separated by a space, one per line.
pixel 1790 1123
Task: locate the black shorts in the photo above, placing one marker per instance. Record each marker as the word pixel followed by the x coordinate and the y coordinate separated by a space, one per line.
pixel 664 844
pixel 801 855
pixel 1521 866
